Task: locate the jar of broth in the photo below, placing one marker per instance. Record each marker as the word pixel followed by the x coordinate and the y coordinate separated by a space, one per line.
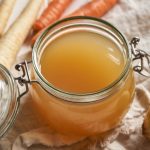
pixel 84 69
pixel 81 80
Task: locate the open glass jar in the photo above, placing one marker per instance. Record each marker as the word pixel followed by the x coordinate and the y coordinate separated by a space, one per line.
pixel 87 114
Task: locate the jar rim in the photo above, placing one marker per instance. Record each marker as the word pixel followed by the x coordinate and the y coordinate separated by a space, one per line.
pixel 74 97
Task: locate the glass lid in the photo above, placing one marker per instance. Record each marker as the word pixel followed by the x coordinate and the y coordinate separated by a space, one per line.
pixel 8 100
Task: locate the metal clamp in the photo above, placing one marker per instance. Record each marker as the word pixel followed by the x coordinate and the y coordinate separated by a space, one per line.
pixel 140 55
pixel 24 79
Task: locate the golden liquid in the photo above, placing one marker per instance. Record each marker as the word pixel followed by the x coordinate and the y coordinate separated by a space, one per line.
pixel 83 62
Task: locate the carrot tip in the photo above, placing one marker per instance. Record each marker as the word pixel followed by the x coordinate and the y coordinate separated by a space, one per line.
pixel 37 26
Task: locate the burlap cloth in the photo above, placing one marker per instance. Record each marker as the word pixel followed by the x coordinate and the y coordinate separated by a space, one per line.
pixel 131 17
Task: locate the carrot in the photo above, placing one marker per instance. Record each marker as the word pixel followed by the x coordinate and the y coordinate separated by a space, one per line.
pixel 34 38
pixel 11 41
pixel 6 8
pixel 95 8
pixel 51 13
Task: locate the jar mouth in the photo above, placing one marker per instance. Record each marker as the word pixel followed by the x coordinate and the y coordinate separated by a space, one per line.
pixel 85 97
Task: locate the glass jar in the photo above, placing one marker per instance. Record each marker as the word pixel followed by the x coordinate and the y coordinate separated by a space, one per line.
pixel 90 113
pixel 71 113
pixel 9 102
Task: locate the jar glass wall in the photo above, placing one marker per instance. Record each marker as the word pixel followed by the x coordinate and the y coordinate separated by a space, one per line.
pixel 82 113
pixel 9 101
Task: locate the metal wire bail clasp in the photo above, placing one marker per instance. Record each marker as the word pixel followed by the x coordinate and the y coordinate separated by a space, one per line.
pixel 24 79
pixel 141 56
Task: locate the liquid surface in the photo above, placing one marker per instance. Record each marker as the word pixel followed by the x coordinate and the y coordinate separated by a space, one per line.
pixel 81 62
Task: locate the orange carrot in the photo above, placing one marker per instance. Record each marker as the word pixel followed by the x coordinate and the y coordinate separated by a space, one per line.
pixel 36 36
pixel 95 8
pixel 51 13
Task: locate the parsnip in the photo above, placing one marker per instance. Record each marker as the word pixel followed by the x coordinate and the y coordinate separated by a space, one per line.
pixel 6 7
pixel 13 39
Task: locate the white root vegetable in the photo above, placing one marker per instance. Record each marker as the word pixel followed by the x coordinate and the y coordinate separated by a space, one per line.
pixel 12 40
pixel 6 7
